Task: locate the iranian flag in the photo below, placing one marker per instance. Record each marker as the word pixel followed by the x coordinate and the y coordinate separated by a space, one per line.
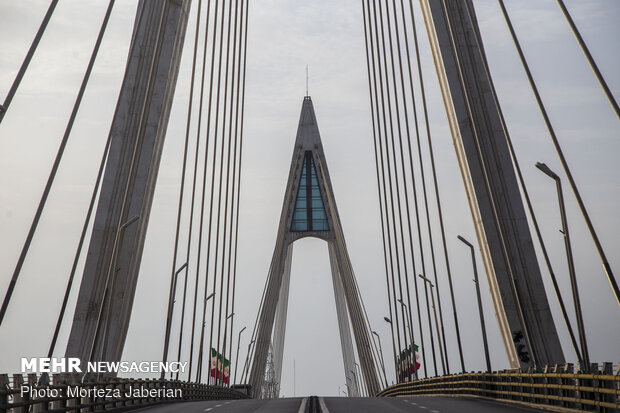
pixel 216 363
pixel 226 371
pixel 417 356
pixel 220 367
pixel 408 363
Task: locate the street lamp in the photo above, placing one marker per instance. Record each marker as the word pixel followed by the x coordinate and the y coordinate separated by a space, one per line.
pixel 484 331
pixel 172 300
pixel 415 373
pixel 247 359
pixel 382 361
pixel 200 354
pixel 361 386
pixel 355 382
pixel 237 358
pixel 571 264
pixel 389 321
pixel 130 221
pixel 441 349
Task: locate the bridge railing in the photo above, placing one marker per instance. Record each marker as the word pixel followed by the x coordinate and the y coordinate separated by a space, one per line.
pixel 67 393
pixel 598 390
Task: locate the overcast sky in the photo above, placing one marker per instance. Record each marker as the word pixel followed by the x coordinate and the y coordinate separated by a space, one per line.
pixel 284 36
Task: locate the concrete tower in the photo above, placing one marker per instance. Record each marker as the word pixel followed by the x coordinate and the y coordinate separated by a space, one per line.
pixel 105 300
pixel 480 140
pixel 309 210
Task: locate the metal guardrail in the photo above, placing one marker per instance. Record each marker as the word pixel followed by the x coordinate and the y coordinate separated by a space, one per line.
pixel 556 387
pixel 67 393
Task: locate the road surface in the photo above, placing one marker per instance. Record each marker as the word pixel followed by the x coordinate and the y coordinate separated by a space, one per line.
pixel 343 405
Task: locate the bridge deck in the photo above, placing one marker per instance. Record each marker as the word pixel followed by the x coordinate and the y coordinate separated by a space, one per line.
pixel 344 405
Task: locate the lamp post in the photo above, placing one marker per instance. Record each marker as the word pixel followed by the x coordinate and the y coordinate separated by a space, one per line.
pixel 199 372
pixel 571 264
pixel 382 361
pixel 244 373
pixel 360 380
pixel 237 358
pixel 484 331
pixel 170 312
pixel 356 383
pixel 230 316
pixel 389 321
pixel 441 349
pixel 415 372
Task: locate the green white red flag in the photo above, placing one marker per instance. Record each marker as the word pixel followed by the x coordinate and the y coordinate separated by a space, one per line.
pixel 220 366
pixel 408 363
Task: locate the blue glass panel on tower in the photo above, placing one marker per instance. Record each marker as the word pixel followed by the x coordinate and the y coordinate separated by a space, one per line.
pixel 309 213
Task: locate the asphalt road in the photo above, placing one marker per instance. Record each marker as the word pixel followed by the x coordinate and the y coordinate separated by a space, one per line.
pixel 343 405
pixel 418 405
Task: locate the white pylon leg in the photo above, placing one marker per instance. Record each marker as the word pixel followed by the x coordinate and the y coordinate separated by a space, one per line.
pixel 346 342
pixel 281 314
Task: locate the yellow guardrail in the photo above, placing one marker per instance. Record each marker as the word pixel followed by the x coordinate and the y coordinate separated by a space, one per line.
pixel 585 391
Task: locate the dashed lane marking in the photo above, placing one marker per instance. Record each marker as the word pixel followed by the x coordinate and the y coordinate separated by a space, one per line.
pixel 302 406
pixel 322 404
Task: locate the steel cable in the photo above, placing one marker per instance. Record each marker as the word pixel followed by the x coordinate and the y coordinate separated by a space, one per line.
pixel 24 66
pixel 56 165
pixel 558 148
pixel 174 275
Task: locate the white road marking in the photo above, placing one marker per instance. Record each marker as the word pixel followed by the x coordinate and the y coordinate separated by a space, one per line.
pixel 210 408
pixel 322 404
pixel 218 405
pixel 423 407
pixel 434 411
pixel 414 403
pixel 302 406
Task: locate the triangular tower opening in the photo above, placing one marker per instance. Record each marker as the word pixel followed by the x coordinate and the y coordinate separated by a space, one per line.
pixel 309 213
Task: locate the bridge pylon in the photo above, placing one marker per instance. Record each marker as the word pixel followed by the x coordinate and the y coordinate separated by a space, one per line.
pixel 480 140
pixel 309 210
pixel 108 286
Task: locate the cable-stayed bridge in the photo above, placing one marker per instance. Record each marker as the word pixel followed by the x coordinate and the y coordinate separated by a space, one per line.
pixel 422 312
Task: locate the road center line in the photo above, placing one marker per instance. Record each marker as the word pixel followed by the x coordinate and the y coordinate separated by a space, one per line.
pixel 322 404
pixel 302 406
